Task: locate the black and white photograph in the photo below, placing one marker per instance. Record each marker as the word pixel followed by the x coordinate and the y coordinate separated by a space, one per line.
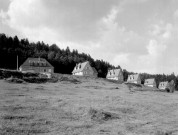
pixel 88 67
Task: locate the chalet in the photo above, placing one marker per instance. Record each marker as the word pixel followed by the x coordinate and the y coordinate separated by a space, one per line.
pixel 134 79
pixel 150 82
pixel 163 85
pixel 115 74
pixel 84 69
pixel 37 65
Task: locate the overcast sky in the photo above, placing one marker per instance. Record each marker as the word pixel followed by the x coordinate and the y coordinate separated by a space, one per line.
pixel 138 35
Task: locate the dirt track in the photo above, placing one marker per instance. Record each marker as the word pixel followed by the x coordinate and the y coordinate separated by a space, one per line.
pixel 86 107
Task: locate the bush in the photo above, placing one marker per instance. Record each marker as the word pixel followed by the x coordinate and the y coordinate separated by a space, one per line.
pixel 99 115
pixel 16 74
pixel 14 80
pixel 35 80
pixel 69 79
pixel 163 133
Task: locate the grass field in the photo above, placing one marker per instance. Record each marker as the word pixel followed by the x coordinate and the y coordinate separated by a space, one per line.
pixel 85 106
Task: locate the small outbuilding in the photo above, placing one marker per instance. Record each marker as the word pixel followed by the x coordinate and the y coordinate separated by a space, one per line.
pixel 84 69
pixel 150 82
pixel 115 74
pixel 135 78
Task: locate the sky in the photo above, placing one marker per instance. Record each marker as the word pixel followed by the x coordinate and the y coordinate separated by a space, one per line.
pixel 139 35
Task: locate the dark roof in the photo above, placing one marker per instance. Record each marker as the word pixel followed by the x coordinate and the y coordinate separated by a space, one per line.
pixel 32 62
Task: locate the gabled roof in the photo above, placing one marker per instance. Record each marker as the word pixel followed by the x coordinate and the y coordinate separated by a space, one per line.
pixel 113 72
pixel 133 77
pixel 80 67
pixel 29 60
pixel 149 81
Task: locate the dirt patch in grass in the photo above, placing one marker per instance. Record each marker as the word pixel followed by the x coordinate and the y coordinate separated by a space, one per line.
pixel 85 126
pixel 163 133
pixel 69 79
pixel 13 108
pixel 93 87
pixel 113 88
pixel 35 80
pixel 11 117
pixel 134 87
pixel 125 110
pixel 100 115
pixel 39 88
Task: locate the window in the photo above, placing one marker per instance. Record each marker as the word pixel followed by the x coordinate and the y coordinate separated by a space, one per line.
pixel 44 70
pixel 80 66
pixel 49 70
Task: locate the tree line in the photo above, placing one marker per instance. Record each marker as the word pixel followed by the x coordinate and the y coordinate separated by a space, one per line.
pixel 158 77
pixel 63 60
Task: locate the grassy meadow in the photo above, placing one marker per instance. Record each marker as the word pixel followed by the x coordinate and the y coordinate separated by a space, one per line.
pixel 86 106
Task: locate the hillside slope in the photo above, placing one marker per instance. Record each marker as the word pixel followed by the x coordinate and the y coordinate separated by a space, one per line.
pixel 86 106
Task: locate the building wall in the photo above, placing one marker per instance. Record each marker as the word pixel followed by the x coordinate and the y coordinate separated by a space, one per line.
pixel 138 81
pixel 113 78
pixel 37 69
pixel 162 87
pixel 119 77
pixel 78 73
pixel 149 85
pixel 87 71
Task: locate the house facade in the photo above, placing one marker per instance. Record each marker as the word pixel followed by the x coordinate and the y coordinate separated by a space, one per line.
pixel 150 82
pixel 135 78
pixel 84 69
pixel 115 74
pixel 163 85
pixel 36 65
